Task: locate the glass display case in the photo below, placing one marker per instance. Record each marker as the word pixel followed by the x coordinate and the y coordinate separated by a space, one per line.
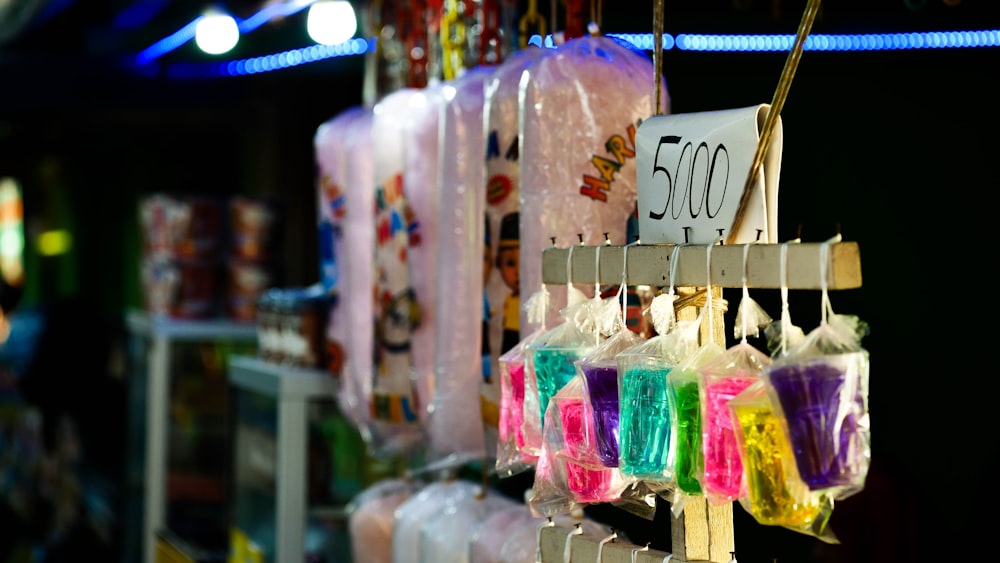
pixel 297 463
pixel 180 448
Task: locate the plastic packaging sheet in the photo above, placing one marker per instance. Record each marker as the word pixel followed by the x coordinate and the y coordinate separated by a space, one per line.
pixel 579 109
pixel 414 513
pixel 422 191
pixel 398 313
pixel 776 494
pixel 720 380
pixel 371 519
pixel 445 536
pixel 330 152
pixel 455 421
pixel 821 388
pixel 512 454
pixel 352 320
pixel 488 536
pixel 502 307
pixel 646 441
pixel 599 373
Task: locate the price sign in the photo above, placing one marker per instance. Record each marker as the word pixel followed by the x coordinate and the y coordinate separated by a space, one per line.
pixel 692 169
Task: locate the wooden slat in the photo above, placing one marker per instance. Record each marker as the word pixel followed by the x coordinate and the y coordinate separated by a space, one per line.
pixel 650 265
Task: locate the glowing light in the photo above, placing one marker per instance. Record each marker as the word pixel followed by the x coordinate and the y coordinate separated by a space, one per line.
pixel 54 243
pixel 331 22
pixel 216 33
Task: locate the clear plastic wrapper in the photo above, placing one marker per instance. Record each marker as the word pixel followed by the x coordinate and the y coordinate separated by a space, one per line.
pixel 646 433
pixel 332 162
pixel 512 456
pixel 821 387
pixel 410 516
pixel 571 476
pixel 395 400
pixel 421 190
pixel 599 372
pixel 580 105
pixel 721 379
pixel 454 421
pixel 775 493
pixel 501 252
pixel 444 537
pixel 553 357
pixel 371 519
pixel 488 536
pixel 685 406
pixel 405 130
pixel 357 277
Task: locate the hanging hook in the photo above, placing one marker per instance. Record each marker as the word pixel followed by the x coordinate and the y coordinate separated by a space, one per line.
pixel 635 552
pixel 600 546
pixel 708 286
pixel 531 20
pixel 568 548
pixel 549 523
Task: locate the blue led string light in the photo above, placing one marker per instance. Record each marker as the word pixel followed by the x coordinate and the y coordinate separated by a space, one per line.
pixel 178 38
pixel 267 63
pixel 682 42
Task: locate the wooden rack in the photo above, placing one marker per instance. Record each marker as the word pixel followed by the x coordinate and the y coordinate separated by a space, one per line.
pixel 704 532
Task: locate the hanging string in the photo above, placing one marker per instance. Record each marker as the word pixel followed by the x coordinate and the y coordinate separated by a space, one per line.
pixel 824 257
pixel 746 294
pixel 553 5
pixel 708 288
pixel 597 295
pixel 777 103
pixel 786 321
pixel 658 55
pixel 623 287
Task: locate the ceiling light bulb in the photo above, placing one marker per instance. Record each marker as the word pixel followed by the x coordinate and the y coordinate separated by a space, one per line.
pixel 216 33
pixel 331 22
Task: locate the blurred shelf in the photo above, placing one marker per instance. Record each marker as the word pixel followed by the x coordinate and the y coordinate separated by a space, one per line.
pixel 280 381
pixel 148 324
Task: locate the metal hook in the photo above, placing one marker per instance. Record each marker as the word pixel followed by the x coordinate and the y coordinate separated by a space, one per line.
pixel 549 523
pixel 568 548
pixel 600 546
pixel 635 552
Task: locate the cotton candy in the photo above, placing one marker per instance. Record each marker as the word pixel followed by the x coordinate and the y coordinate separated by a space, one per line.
pixel 395 401
pixel 579 110
pixel 353 317
pixel 502 298
pixel 332 184
pixel 454 421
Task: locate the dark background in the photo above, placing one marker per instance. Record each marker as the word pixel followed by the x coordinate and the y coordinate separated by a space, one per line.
pixel 894 148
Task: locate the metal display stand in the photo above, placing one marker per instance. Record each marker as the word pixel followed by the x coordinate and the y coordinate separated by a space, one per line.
pixel 704 532
pixel 293 389
pixel 161 334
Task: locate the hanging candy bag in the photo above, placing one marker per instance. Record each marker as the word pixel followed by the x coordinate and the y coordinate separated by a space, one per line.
pixel 821 386
pixel 599 370
pixel 775 494
pixel 512 456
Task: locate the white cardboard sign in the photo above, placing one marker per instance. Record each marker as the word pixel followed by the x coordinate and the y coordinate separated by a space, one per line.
pixel 692 169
